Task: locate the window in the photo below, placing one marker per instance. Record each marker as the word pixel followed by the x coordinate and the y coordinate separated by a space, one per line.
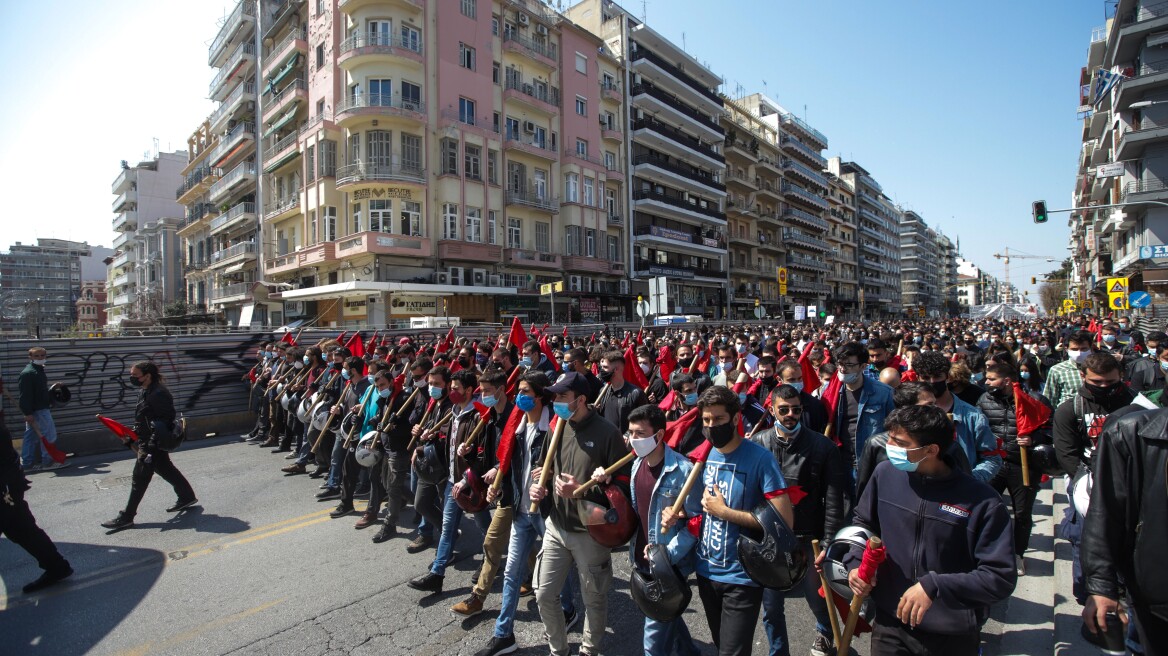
pixel 355 148
pixel 327 163
pixel 330 224
pixel 411 218
pixel 582 148
pixel 380 33
pixel 581 105
pixel 492 226
pixel 449 150
pixel 608 121
pixel 493 167
pixel 319 56
pixel 468 9
pixel 449 221
pixel 411 95
pixel 494 26
pixel 472 161
pixel 514 233
pixel 540 184
pixel 411 152
pixel 310 162
pixel 466 55
pixel 495 122
pixel 381 92
pixel 589 191
pixel 312 229
pixel 590 242
pixel 571 240
pixel 319 7
pixel 608 81
pixel 381 215
pixel 581 63
pixel 320 107
pixel 495 72
pixel 474 225
pixel 614 252
pixel 609 160
pixel 379 150
pixel 512 128
pixel 572 188
pixel 411 38
pixel 356 219
pixel 540 138
pixel 610 201
pixel 543 237
pixel 466 111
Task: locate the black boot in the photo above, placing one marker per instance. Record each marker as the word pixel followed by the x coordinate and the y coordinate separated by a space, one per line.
pixel 123 520
pixel 428 582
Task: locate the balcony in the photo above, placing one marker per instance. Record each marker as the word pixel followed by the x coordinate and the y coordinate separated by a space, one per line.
pixel 377 105
pixel 645 59
pixel 237 253
pixel 615 220
pixel 796 261
pixel 531 146
pixel 766 164
pixel 196 183
pixel 537 95
pixel 1142 21
pixel 230 32
pixel 451 117
pixel 230 107
pixel 586 264
pixel 240 214
pixel 245 172
pixel 124 299
pixel 282 208
pixel 125 220
pixel 124 258
pixel 671 172
pixel 690 209
pixel 122 239
pixel 659 101
pixel 809 287
pixel 770 218
pixel 742 180
pixel 469 251
pixel 796 124
pixel 611 133
pixel 671 237
pixel 799 149
pixel 799 194
pixel 378 47
pixel 379 170
pixel 231 293
pixel 280 153
pixel 232 144
pixel 741 149
pixel 806 219
pixel 122 280
pixel 350 6
pixel 294 44
pixel 278 105
pixel 643 267
pixel 1133 142
pixel 611 91
pixel 805 240
pixel 125 181
pixel 237 67
pixel 1138 190
pixel 532 259
pixel 539 201
pixel 310 256
pixel 770 190
pixel 672 138
pixel 545 53
pixel 127 200
pixel 813 177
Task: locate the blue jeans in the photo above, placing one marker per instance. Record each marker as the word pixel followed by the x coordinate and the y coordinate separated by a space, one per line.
pixel 335 463
pixel 668 638
pixel 774 618
pixel 31 450
pixel 451 518
pixel 524 530
pixel 424 527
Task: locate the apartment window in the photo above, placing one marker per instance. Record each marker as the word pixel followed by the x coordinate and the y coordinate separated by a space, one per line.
pixel 540 183
pixel 493 167
pixel 472 161
pixel 466 111
pixel 411 38
pixel 319 56
pixel 411 218
pixel 355 148
pixel 312 228
pixel 571 188
pixel 514 233
pixel 411 95
pixel 589 191
pixel 381 215
pixel 512 128
pixel 320 107
pixel 590 242
pixel 581 63
pixel 582 148
pixel 543 237
pixel 609 160
pixel 610 201
pixel 327 163
pixel 609 82
pixel 356 219
pixel 581 106
pixel 492 226
pixel 495 122
pixel 614 251
pixel 379 32
pixel 380 92
pixel 310 162
pixel 494 26
pixel 411 152
pixel 495 72
pixel 330 224
pixel 449 150
pixel 379 150
pixel 571 240
pixel 449 221
pixel 540 138
pixel 319 7
pixel 474 225
pixel 466 56
pixel 468 9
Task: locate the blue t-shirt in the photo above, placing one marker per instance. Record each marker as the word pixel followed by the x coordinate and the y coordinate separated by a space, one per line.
pixel 747 477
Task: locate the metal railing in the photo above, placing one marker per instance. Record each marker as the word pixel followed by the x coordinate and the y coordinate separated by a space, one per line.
pixel 483 122
pixel 513 138
pixel 228 180
pixel 676 135
pixel 386 100
pixel 227 291
pixel 681 203
pixel 672 101
pixel 1146 13
pixel 532 199
pixel 816 178
pixel 243 8
pixel 791 119
pixel 239 210
pixel 276 98
pixel 788 188
pixel 381 170
pixel 227 106
pixel 389 42
pixel 542 93
pixel 1144 186
pixel 677 72
pixel 804 149
pixel 295 35
pixel 281 205
pixel 228 141
pixel 806 217
pixel 805 239
pixel 228 69
pixel 194 178
pixel 548 50
pixel 271 151
pixel 685 171
pixel 233 251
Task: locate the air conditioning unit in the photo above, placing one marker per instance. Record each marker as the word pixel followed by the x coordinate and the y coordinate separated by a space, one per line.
pixel 639 114
pixel 574 283
pixel 529 126
pixel 540 29
pixel 251 105
pixel 624 286
pixel 523 19
pixel 479 276
pixel 493 280
pixel 455 274
pixel 441 278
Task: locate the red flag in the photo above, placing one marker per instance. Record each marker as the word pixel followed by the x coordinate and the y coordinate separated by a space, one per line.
pixel 341 337
pixel 455 367
pixel 633 372
pixel 909 376
pixel 547 350
pixel 447 342
pixel 288 339
pixel 565 333
pixel 871 561
pixel 372 343
pixel 590 341
pixel 543 331
pixel 517 338
pixel 356 345
pixel 399 383
pixel 667 363
pixel 1030 413
pixel 484 411
pixel 625 342
pixel 667 403
pixel 810 378
pixel 531 330
pixel 830 398
pixel 121 430
pixel 507 441
pixel 513 382
pixel 640 336
pixel 701 453
pixel 675 431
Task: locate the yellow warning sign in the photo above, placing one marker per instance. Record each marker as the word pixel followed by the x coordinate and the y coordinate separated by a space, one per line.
pixel 1117 293
pixel 1117 301
pixel 1117 285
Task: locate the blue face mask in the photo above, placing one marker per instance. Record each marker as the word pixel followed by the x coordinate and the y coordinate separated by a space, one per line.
pixel 436 392
pixel 977 378
pixel 727 366
pixel 1024 374
pixel 798 386
pixel 898 456
pixel 742 398
pixel 691 399
pixel 525 362
pixel 345 374
pixel 1164 365
pixel 369 378
pixel 525 403
pixel 306 361
pixel 562 410
pixel 384 393
pixel 481 359
pixel 489 401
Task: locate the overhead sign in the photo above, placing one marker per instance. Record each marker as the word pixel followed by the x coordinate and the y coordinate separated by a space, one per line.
pixel 1117 285
pixel 548 288
pixel 405 304
pixel 1139 299
pixel 1117 293
pixel 1159 251
pixel 1109 170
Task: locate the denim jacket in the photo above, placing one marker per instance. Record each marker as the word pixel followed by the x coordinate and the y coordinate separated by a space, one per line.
pixel 679 542
pixel 977 439
pixel 875 404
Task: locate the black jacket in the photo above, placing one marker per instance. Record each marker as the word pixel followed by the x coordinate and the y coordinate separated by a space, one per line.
pixel 1144 375
pixel 875 453
pixel 812 462
pixel 1000 414
pixel 1123 534
pixel 154 404
pixel 1078 423
pixel 34 389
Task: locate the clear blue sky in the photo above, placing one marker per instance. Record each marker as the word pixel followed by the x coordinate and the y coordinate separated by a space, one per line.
pixel 964 111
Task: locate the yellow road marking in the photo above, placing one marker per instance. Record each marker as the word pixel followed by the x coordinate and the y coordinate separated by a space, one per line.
pixel 190 634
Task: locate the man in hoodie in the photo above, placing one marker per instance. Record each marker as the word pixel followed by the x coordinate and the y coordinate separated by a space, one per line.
pixel 948 539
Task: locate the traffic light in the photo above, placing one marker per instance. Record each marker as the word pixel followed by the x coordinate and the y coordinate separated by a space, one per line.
pixel 1040 211
pixel 640 298
pixel 1033 280
pixel 757 302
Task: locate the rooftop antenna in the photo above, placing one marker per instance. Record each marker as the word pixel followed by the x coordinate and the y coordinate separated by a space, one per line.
pixel 766 92
pixel 683 42
pixel 644 11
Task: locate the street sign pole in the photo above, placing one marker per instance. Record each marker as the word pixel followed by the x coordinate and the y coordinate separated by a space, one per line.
pixel 553 295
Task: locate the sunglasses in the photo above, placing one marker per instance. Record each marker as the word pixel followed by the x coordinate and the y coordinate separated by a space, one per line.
pixel 794 410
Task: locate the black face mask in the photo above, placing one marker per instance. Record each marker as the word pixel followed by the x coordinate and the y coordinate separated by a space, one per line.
pixel 719 436
pixel 464 363
pixel 939 388
pixel 337 366
pixel 685 362
pixel 1102 392
pixel 135 381
pixel 880 364
pixel 604 376
pixel 1000 392
pixel 769 381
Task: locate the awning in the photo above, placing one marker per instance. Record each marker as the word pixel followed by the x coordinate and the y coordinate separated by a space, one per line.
pixel 235 268
pixel 365 288
pixel 282 73
pixel 283 120
pixel 245 315
pixel 281 161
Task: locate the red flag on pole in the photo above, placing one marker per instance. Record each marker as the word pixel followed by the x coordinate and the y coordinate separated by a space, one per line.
pixel 1029 413
pixel 517 338
pixel 356 345
pixel 288 339
pixel 372 343
pixel 830 398
pixel 121 430
pixel 547 350
pixel 513 382
pixel 341 337
pixel 667 403
pixel 633 372
pixel 667 363
pixel 446 343
pixel 640 336
pixel 507 441
pixel 565 333
pixel 676 430
pixel 810 377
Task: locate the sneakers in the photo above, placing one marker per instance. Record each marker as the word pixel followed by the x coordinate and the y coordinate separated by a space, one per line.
pixel 822 646
pixel 428 582
pixel 341 510
pixel 420 543
pixel 469 607
pixel 50 577
pixel 328 494
pixel 498 646
pixel 54 465
pixel 294 469
pixel 32 468
pixel 571 619
pixel 182 505
pixel 319 472
pixel 1020 565
pixel 120 522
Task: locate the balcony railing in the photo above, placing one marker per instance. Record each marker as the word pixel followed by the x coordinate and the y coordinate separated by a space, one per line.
pixel 685 171
pixel 805 240
pixel 672 101
pixel 228 104
pixel 796 260
pixel 243 8
pixel 377 169
pixel 543 93
pixel 546 50
pixel 229 180
pixel 676 135
pixel 384 43
pixel 229 69
pixel 792 143
pixel 275 149
pixel 194 178
pixel 532 199
pixel 281 205
pixel 791 119
pixel 273 101
pixel 1146 12
pixel 481 122
pixel 791 213
pixel 386 100
pixel 232 214
pixel 1144 186
pixel 675 71
pixel 788 188
pixel 530 142
pixel 298 34
pixel 812 176
pixel 676 269
pixel 228 142
pixel 229 291
pixel 718 241
pixel 681 203
pixel 233 251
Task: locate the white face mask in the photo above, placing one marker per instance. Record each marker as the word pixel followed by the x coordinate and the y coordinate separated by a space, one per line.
pixel 645 368
pixel 1077 356
pixel 643 446
pixel 39 363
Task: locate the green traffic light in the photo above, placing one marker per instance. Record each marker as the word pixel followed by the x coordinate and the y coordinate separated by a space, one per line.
pixel 1039 209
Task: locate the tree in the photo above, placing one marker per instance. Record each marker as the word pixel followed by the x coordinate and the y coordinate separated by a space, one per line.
pixel 1050 294
pixel 1062 273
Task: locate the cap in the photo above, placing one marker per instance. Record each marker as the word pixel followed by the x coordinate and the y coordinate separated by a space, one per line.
pixel 570 382
pixel 403 341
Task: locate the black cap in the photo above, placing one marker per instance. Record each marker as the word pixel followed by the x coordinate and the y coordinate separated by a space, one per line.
pixel 570 382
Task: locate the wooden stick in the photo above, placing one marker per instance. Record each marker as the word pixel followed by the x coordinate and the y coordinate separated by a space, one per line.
pixel 827 596
pixel 320 435
pixel 854 611
pixel 590 483
pixel 443 420
pixel 548 458
pixel 1023 452
pixel 602 397
pixel 475 433
pixel 409 401
pixel 690 481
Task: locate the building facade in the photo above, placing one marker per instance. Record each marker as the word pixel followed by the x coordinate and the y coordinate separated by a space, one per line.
pixel 91 307
pixel 920 263
pixel 843 301
pixel 878 242
pixel 40 285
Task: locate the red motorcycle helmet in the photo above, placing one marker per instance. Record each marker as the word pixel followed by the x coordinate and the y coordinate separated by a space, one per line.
pixel 613 524
pixel 470 492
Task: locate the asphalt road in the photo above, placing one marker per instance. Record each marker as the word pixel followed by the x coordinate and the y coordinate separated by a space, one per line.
pixel 260 568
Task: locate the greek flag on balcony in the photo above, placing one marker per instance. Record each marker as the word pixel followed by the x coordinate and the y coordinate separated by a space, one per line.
pixel 1105 81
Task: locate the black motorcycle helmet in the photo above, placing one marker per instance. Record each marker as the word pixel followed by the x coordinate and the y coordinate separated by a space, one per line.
pixel 773 559
pixel 661 592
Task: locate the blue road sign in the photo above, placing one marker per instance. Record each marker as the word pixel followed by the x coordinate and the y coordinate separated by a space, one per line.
pixel 1139 299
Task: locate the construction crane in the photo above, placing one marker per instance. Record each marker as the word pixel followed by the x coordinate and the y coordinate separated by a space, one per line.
pixel 1005 256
